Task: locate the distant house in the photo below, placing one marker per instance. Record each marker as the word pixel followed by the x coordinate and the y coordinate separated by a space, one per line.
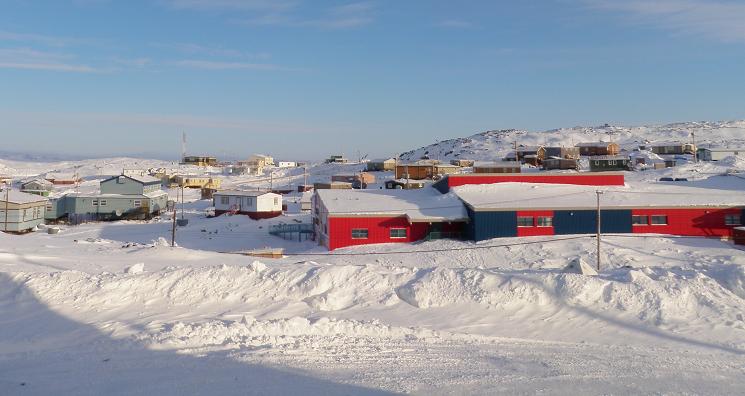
pixel 497 167
pixel 197 181
pixel 286 164
pixel 562 152
pixel 560 163
pixel 671 148
pixel 610 163
pixel 62 178
pixel 255 204
pixel 120 197
pixel 306 201
pixel 527 154
pixel 381 165
pixel 24 211
pixel 336 159
pixel 717 154
pixel 38 187
pixel 462 162
pixel 199 160
pixel 591 149
pixel 304 188
pixel 358 180
pixel 403 184
pixel 332 186
pixel 426 169
pixel 261 160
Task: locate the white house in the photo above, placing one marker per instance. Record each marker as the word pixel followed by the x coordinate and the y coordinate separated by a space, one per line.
pixel 24 211
pixel 262 160
pixel 286 164
pixel 254 204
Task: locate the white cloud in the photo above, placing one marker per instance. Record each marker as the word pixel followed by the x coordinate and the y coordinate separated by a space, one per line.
pixel 219 65
pixel 716 19
pixel 51 41
pixel 30 59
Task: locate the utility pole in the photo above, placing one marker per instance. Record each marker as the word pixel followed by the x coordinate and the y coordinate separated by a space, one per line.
pixel 695 150
pixel 599 193
pixel 7 199
pixel 182 202
pixel 516 159
pixel 305 177
pixel 173 229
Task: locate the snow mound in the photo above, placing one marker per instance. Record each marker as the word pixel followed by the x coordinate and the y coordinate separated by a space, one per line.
pixel 135 269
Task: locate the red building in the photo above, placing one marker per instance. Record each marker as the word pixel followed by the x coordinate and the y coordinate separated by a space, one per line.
pixel 359 217
pixel 584 179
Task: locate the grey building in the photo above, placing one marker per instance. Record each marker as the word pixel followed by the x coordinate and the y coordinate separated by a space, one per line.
pixel 717 154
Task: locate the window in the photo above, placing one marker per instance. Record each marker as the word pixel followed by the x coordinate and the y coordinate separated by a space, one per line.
pixel 397 233
pixel 658 220
pixel 249 201
pixel 597 162
pixel 102 202
pixel 276 201
pixel 95 202
pixel 612 162
pixel 138 203
pixel 524 221
pixel 640 220
pixel 359 233
pixel 225 200
pixel 545 221
pixel 732 219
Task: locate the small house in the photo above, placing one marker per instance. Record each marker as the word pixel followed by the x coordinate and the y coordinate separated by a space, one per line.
pixel 304 187
pixel 254 204
pixel 424 170
pixel 497 167
pixel 130 185
pixel 403 184
pixel 261 160
pixel 592 149
pixel 336 159
pixel 610 163
pixel 672 148
pixel 62 179
pixel 381 165
pixel 332 186
pixel 462 162
pixel 562 152
pixel 286 164
pixel 527 154
pixel 199 160
pixel 358 180
pixel 196 181
pixel 560 163
pixel 718 154
pixel 24 211
pixel 37 186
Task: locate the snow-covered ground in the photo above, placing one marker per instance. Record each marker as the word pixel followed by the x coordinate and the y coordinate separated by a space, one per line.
pixel 111 308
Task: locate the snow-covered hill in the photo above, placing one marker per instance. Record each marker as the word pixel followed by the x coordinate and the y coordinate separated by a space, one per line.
pixel 493 145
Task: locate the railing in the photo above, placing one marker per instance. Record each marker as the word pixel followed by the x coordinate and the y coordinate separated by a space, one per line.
pixel 433 235
pixel 291 228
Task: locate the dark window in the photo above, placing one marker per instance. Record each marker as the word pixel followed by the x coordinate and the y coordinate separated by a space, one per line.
pixel 545 221
pixel 732 219
pixel 525 221
pixel 658 220
pixel 359 233
pixel 396 233
pixel 640 220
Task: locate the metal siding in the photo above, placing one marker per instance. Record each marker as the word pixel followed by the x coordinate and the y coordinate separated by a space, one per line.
pixel 442 185
pixel 588 179
pixel 488 225
pixel 585 221
pixel 689 222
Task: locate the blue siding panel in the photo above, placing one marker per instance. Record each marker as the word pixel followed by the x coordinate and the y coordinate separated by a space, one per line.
pixel 584 221
pixel 442 185
pixel 488 225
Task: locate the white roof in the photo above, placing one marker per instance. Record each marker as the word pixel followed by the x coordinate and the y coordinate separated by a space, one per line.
pixel 38 181
pixel 61 176
pixel 242 193
pixel 593 144
pixel 724 150
pixel 496 164
pixel 18 197
pixel 530 196
pixel 138 178
pixel 425 204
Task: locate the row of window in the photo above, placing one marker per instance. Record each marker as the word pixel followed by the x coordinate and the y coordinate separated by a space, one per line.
pixel 539 221
pixel 642 220
pixel 102 202
pixel 393 233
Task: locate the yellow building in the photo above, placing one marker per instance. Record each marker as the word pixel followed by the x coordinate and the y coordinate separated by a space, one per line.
pixel 195 181
pixel 199 161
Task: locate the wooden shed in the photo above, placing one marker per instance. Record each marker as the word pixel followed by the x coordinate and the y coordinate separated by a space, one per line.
pixel 381 165
pixel 591 149
pixel 358 180
pixel 332 186
pixel 610 163
pixel 497 167
pixel 562 152
pixel 560 163
pixel 424 170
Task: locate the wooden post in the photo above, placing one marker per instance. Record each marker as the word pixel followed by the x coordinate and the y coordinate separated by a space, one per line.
pixel 173 230
pixel 7 199
pixel 598 231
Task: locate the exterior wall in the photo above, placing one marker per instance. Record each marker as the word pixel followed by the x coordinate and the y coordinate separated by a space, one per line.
pixel 535 230
pixel 126 206
pixel 264 203
pixel 123 185
pixel 378 228
pixel 606 166
pixel 269 203
pixel 22 217
pixel 488 225
pixel 689 222
pixel 577 179
pixel 609 149
pixel 496 169
pixel 585 221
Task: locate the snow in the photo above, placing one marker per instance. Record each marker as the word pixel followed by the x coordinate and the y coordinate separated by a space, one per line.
pixel 18 197
pixel 111 308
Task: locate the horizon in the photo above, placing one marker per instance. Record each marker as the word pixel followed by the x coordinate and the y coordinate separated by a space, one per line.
pixel 304 80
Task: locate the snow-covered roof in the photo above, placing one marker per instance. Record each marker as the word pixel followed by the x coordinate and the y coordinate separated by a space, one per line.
pixel 17 197
pixel 242 193
pixel 610 157
pixel 138 178
pixel 61 176
pixel 425 204
pixel 496 164
pixel 724 150
pixel 518 196
pixel 42 182
pixel 593 144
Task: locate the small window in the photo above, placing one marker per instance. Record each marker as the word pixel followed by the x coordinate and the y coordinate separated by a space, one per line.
pixel 276 201
pixel 732 219
pixel 95 202
pixel 120 180
pixel 225 200
pixel 397 233
pixel 612 162
pixel 138 203
pixel 640 220
pixel 525 221
pixel 597 162
pixel 103 202
pixel 658 220
pixel 359 233
pixel 249 201
pixel 545 221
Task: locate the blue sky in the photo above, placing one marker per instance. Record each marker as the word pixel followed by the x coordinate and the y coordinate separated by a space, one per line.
pixel 307 78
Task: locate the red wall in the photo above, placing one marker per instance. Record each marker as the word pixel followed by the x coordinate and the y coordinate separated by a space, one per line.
pixel 378 230
pixel 569 178
pixel 535 230
pixel 688 222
